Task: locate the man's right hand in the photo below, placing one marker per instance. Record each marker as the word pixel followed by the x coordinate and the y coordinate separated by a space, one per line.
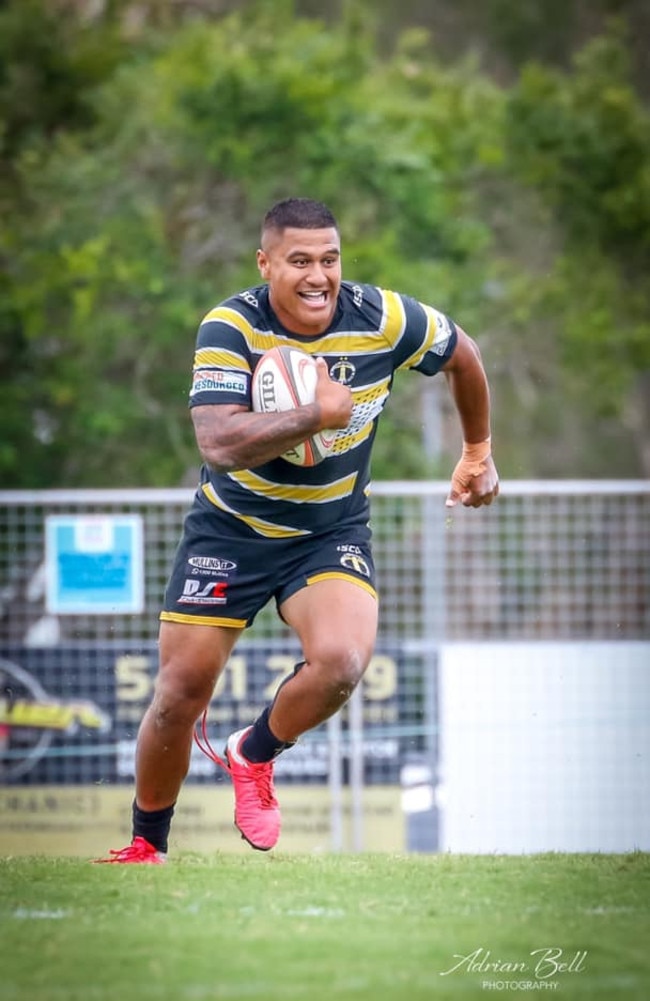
pixel 333 398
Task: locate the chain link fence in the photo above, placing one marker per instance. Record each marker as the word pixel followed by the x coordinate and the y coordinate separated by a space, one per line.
pixel 550 563
pixel 547 561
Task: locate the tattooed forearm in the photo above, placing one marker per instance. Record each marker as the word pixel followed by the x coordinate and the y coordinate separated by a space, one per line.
pixel 232 438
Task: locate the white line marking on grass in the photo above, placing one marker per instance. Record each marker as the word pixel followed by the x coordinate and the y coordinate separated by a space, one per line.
pixel 608 910
pixel 27 914
pixel 311 911
pixel 315 912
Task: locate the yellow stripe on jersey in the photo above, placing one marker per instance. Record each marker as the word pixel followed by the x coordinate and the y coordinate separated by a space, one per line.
pixel 259 525
pixel 368 404
pixel 433 329
pixel 232 318
pixel 351 345
pixel 393 321
pixel 295 492
pixel 257 340
pixel 346 343
pixel 371 392
pixel 220 358
pixel 339 343
pixel 345 440
pixel 417 356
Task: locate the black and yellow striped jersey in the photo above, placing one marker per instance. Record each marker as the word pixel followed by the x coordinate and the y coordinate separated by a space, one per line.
pixel 374 333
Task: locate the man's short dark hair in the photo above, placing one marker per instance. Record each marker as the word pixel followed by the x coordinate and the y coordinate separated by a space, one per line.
pixel 298 213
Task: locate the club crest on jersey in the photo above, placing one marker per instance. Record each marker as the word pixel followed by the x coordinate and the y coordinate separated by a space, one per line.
pixel 343 371
pixel 356 563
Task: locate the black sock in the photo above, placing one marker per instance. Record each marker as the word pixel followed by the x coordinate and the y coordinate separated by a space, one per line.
pixel 153 825
pixel 261 744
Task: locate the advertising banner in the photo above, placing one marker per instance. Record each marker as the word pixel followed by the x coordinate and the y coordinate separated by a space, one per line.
pixel 69 715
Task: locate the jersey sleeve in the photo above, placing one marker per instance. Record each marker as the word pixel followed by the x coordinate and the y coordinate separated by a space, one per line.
pixel 421 337
pixel 222 366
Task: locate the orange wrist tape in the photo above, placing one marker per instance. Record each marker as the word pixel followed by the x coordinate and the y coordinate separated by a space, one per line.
pixel 473 458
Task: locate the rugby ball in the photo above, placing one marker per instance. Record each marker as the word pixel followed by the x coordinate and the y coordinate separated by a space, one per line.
pixel 285 378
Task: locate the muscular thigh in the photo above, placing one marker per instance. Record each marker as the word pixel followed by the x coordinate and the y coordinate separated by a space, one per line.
pixel 193 656
pixel 333 617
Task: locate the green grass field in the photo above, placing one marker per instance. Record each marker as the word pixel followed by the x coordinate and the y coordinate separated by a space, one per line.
pixel 363 927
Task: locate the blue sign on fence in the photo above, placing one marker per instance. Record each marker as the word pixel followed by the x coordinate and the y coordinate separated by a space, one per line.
pixel 94 564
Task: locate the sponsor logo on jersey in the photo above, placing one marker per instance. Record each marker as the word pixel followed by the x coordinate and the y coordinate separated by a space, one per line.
pixel 357 296
pixel 211 563
pixel 210 381
pixel 354 562
pixel 248 297
pixel 195 592
pixel 443 333
pixel 343 371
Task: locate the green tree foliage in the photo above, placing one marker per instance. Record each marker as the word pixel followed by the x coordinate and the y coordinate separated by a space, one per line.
pixel 133 205
pixel 582 140
pixel 49 63
pixel 49 66
pixel 133 228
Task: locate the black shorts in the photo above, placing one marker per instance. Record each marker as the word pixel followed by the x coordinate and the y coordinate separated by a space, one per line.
pixel 224 574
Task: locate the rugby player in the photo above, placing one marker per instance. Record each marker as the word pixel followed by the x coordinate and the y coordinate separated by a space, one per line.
pixel 261 528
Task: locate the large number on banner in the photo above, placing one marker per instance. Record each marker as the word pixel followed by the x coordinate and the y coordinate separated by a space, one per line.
pixel 133 678
pixel 233 680
pixel 380 679
pixel 244 678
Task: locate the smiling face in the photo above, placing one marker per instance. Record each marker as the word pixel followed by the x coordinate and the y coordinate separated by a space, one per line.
pixel 303 269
